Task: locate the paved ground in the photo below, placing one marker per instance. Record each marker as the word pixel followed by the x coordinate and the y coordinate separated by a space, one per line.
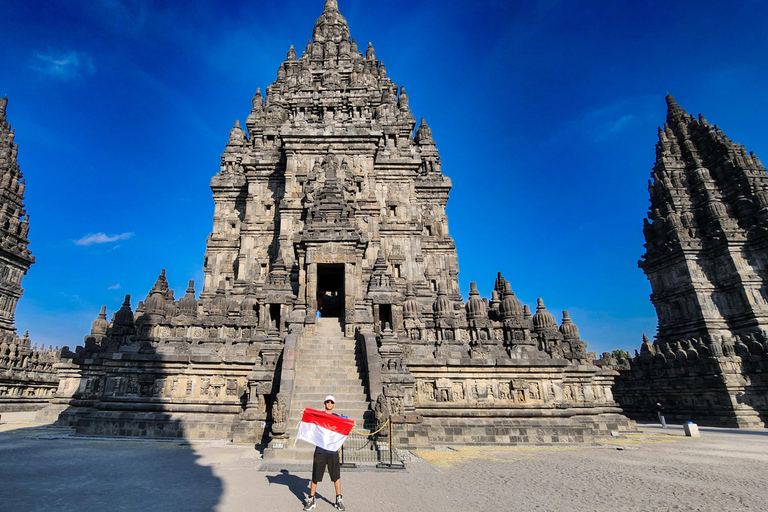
pixel 41 469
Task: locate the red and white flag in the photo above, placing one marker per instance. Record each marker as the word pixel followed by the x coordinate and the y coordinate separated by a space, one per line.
pixel 327 431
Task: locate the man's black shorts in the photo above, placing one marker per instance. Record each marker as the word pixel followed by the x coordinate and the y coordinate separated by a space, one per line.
pixel 320 461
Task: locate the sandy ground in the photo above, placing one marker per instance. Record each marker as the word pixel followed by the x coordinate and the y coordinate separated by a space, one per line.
pixel 43 469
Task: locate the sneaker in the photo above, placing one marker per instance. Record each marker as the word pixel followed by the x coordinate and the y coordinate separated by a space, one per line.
pixel 310 503
pixel 339 503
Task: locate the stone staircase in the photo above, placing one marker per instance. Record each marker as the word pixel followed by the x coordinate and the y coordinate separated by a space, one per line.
pixel 326 364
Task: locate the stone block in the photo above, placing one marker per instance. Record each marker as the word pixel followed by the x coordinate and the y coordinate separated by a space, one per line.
pixel 691 429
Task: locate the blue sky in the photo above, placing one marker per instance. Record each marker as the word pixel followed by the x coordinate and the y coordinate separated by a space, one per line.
pixel 544 112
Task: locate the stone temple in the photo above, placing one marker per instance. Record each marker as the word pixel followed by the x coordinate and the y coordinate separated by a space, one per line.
pixel 27 376
pixel 330 269
pixel 707 261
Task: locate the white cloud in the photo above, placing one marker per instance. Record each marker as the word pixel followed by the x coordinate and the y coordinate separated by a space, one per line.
pixel 621 123
pixel 102 238
pixel 114 287
pixel 66 66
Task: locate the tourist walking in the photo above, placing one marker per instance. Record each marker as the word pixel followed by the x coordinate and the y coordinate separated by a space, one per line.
pixel 660 414
pixel 325 458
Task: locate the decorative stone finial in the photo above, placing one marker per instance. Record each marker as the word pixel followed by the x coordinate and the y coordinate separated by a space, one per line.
pixel 423 133
pixel 188 303
pixel 567 328
pixel 411 307
pixel 236 135
pixel 331 25
pixel 124 316
pixel 442 305
pixel 475 306
pixel 99 326
pixel 402 100
pixel 258 100
pixel 510 306
pixel 674 111
pixel 543 319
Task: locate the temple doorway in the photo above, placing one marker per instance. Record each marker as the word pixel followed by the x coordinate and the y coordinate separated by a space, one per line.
pixel 330 290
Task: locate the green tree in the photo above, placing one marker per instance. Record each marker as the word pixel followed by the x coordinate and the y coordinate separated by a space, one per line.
pixel 618 353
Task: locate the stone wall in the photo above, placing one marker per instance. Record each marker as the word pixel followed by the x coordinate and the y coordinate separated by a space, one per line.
pixel 711 384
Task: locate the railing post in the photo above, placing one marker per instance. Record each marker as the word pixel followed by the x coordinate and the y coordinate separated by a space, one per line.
pixel 391 464
pixel 341 456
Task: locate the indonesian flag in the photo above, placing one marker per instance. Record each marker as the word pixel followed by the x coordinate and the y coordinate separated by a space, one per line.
pixel 327 431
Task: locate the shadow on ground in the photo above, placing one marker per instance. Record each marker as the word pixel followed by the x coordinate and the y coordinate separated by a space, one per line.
pixel 297 485
pixel 41 469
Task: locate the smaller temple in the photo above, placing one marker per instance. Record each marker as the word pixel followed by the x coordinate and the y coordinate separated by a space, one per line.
pixel 27 377
pixel 707 261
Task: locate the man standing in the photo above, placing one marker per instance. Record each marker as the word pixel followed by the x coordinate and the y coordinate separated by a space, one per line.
pixel 660 413
pixel 321 459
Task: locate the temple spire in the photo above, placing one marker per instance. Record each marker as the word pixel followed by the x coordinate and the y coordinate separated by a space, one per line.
pixel 3 106
pixel 331 25
pixel 674 111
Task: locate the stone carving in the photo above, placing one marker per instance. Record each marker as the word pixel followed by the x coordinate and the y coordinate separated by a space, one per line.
pixel 279 417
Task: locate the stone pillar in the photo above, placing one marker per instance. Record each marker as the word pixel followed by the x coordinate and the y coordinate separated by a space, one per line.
pixel 311 294
pixel 350 294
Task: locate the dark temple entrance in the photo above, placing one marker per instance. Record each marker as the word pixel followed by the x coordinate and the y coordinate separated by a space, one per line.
pixel 330 290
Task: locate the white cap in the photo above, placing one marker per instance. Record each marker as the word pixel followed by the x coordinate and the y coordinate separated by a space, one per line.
pixel 329 397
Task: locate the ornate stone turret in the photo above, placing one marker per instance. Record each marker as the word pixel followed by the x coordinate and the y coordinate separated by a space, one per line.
pixel 706 258
pixel 122 321
pixel 15 257
pixel 442 306
pixel 188 303
pixel 543 319
pixel 100 325
pixel 567 328
pixel 510 307
pixel 411 307
pixel 331 25
pixel 475 305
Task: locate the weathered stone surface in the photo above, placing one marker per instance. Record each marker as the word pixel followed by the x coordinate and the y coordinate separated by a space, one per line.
pixel 707 251
pixel 331 200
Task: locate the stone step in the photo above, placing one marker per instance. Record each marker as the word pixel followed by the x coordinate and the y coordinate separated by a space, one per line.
pixel 328 374
pixel 330 379
pixel 319 348
pixel 340 376
pixel 307 369
pixel 326 364
pixel 315 344
pixel 337 391
pixel 328 355
pixel 310 369
pixel 316 401
pixel 355 414
pixel 327 359
pixel 313 386
pixel 330 333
